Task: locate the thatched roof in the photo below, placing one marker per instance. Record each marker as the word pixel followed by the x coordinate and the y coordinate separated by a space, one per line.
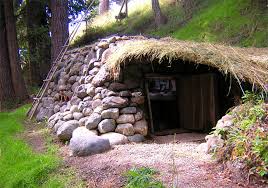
pixel 245 64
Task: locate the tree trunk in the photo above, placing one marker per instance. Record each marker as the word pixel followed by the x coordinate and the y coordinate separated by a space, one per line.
pixel 188 7
pixel 6 88
pixel 59 26
pixel 103 6
pixel 13 51
pixel 160 19
pixel 38 41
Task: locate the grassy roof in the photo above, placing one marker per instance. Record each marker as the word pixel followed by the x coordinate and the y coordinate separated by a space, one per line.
pixel 245 64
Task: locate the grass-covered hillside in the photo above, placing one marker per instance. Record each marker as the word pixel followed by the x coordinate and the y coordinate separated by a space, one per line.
pixel 235 22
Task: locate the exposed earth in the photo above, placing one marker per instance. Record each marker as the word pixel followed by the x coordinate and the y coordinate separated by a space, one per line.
pixel 177 160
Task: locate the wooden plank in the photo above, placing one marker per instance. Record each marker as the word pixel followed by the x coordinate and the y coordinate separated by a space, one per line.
pixel 149 106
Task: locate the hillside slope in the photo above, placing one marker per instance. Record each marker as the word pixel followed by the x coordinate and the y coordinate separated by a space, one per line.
pixel 235 22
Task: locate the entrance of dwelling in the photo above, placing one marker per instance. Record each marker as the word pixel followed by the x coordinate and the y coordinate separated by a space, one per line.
pixel 187 97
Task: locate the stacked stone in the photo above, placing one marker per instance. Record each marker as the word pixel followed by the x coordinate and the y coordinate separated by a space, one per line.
pixel 91 99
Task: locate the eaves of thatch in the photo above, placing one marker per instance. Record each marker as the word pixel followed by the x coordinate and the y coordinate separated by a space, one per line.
pixel 245 64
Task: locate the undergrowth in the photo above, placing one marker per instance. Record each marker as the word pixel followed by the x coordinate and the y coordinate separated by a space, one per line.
pixel 235 22
pixel 20 165
pixel 142 178
pixel 247 140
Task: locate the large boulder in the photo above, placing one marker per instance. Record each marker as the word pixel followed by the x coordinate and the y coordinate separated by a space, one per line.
pixel 101 77
pixel 125 129
pixel 114 102
pixel 111 113
pixel 141 127
pixel 115 138
pixel 107 125
pixel 93 121
pixel 65 131
pixel 126 118
pixel 84 143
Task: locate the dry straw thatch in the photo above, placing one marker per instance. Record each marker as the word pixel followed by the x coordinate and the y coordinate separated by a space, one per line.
pixel 245 64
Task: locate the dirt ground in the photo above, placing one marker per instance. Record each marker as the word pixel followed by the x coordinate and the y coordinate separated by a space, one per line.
pixel 176 160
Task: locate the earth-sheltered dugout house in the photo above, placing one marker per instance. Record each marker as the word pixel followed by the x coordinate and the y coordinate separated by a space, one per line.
pixel 186 86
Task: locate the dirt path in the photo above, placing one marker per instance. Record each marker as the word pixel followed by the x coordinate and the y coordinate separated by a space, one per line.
pixel 178 163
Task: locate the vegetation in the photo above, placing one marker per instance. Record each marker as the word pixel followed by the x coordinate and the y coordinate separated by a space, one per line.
pixel 142 177
pixel 242 22
pixel 20 166
pixel 247 140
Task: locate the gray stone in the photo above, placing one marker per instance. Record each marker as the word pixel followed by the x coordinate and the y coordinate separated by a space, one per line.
pixel 125 118
pixel 68 117
pixel 85 143
pixel 82 121
pixel 107 125
pixel 74 86
pixel 139 115
pixel 91 91
pixel 56 108
pixel 125 94
pixel 115 138
pixel 138 99
pixel 141 127
pixel 101 77
pixel 58 125
pixel 74 108
pixel 93 121
pixel 94 71
pixel 97 96
pixel 72 79
pixel 128 110
pixel 65 131
pixel 98 110
pixel 96 103
pixel 114 102
pixel 111 113
pixel 81 91
pixel 115 86
pixel 77 115
pixel 103 44
pixel 87 111
pixel 75 100
pixel 125 129
pixel 136 138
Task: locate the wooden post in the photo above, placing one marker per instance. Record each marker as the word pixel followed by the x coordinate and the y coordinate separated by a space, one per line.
pixel 149 106
pixel 126 8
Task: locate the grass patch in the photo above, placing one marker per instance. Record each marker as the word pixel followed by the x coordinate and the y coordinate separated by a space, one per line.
pixel 20 166
pixel 142 178
pixel 235 22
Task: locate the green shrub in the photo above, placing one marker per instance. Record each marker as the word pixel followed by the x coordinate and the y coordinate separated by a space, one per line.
pixel 247 140
pixel 142 178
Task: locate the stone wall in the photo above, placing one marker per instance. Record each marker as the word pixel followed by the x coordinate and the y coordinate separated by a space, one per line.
pixel 82 94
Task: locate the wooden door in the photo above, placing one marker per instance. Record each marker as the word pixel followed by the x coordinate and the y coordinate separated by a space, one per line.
pixel 198 102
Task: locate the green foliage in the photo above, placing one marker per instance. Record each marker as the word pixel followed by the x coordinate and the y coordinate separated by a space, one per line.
pixel 20 166
pixel 236 22
pixel 247 140
pixel 142 178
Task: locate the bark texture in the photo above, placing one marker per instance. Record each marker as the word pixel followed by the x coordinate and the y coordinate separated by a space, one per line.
pixel 38 41
pixel 6 87
pixel 14 60
pixel 59 26
pixel 103 6
pixel 159 17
